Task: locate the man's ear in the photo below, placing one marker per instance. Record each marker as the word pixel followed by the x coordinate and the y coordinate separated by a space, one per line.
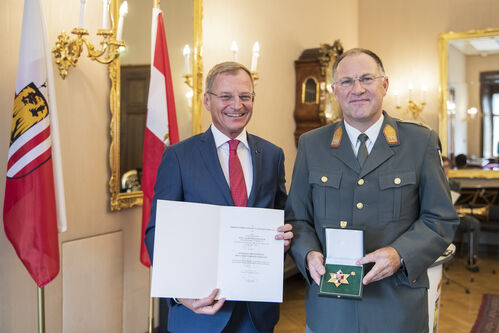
pixel 206 101
pixel 386 83
pixel 334 90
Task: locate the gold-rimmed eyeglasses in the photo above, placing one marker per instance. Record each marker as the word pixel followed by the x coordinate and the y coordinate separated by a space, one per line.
pixel 245 98
pixel 364 80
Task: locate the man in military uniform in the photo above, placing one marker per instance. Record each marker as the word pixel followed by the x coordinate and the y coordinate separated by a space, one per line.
pixel 385 176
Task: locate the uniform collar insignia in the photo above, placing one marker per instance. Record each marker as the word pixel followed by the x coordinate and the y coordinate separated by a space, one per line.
pixel 337 137
pixel 390 135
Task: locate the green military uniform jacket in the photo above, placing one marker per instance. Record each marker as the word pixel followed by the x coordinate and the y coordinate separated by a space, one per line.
pixel 400 197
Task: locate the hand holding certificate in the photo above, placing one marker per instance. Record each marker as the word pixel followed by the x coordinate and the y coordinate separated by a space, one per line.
pixel 200 247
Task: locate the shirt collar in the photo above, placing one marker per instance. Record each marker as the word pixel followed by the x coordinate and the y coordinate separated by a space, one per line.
pixel 372 132
pixel 221 138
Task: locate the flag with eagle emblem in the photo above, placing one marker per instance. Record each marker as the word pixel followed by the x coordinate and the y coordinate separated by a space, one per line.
pixel 34 208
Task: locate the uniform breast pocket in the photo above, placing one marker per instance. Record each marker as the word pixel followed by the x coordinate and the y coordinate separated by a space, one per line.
pixel 325 190
pixel 394 186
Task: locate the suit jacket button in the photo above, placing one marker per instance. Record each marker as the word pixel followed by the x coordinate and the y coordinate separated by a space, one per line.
pixel 397 180
pixel 360 182
pixel 324 179
pixel 360 205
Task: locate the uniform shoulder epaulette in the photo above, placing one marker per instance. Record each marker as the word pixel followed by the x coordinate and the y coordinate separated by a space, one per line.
pixel 419 123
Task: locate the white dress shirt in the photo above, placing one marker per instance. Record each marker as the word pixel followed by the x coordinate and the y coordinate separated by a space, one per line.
pixel 243 152
pixel 372 134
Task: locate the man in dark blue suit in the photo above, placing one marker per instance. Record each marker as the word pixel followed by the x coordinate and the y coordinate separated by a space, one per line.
pixel 223 166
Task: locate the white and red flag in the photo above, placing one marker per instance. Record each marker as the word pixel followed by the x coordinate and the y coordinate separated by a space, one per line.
pixel 34 208
pixel 161 124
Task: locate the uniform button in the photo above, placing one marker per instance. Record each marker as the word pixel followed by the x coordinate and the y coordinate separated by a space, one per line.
pixel 324 179
pixel 397 180
pixel 360 205
pixel 413 281
pixel 360 181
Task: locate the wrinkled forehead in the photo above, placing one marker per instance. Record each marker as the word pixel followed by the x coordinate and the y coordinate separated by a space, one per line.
pixel 238 81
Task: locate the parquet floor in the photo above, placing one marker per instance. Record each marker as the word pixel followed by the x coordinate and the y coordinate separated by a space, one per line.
pixel 458 310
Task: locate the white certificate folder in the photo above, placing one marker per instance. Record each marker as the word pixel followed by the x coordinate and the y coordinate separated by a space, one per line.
pixel 200 247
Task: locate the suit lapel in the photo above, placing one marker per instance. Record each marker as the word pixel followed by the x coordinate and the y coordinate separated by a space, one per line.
pixel 342 147
pixel 209 154
pixel 256 160
pixel 383 147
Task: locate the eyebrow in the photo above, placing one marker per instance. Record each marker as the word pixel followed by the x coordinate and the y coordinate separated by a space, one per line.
pixel 350 77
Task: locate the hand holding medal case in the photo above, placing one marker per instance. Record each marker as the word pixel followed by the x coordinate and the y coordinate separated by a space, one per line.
pixel 343 278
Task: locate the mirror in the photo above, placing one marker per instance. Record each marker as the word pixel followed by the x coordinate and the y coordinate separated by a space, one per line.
pixel 126 128
pixel 466 117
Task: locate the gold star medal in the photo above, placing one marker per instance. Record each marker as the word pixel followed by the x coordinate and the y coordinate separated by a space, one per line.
pixel 339 278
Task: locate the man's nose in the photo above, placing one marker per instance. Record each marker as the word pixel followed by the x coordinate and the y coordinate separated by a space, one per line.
pixel 357 87
pixel 236 103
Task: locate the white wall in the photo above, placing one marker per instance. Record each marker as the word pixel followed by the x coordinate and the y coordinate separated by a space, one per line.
pixel 284 29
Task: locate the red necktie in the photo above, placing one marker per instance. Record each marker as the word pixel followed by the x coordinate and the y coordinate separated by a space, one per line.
pixel 236 176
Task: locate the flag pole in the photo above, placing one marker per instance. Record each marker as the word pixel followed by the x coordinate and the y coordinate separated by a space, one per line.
pixel 151 305
pixel 41 310
pixel 150 318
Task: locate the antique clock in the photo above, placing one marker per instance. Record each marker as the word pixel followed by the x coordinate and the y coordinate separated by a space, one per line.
pixel 316 105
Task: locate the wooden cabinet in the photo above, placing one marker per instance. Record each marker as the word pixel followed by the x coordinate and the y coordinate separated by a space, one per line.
pixel 315 104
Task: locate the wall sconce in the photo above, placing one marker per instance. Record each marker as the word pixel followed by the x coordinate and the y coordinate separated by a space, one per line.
pixel 234 49
pixel 67 51
pixel 451 109
pixel 471 114
pixel 413 107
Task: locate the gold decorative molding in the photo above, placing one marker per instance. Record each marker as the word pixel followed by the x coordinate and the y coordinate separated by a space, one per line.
pixel 120 200
pixel 474 173
pixel 197 67
pixel 303 90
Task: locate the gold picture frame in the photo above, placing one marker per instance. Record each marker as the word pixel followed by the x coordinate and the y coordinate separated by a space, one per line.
pixel 443 43
pixel 120 200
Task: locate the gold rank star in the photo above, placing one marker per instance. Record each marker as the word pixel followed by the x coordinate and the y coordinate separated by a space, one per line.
pixel 339 278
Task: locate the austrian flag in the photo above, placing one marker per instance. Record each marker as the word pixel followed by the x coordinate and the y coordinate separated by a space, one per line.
pixel 161 124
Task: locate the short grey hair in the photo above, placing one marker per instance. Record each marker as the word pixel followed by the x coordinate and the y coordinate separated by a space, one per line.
pixel 359 51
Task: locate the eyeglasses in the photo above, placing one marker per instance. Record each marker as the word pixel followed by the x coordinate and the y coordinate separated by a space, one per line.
pixel 245 98
pixel 364 80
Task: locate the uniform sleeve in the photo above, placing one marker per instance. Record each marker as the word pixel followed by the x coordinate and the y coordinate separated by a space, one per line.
pixel 433 231
pixel 299 212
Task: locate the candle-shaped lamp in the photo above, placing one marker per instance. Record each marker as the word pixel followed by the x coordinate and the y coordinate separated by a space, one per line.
pixel 82 13
pixel 410 88
pixel 472 112
pixel 187 57
pixel 424 89
pixel 396 93
pixel 189 94
pixel 451 108
pixel 254 58
pixel 234 50
pixel 105 14
pixel 123 13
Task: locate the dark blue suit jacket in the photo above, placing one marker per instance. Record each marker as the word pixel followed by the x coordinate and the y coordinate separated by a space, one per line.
pixel 190 171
